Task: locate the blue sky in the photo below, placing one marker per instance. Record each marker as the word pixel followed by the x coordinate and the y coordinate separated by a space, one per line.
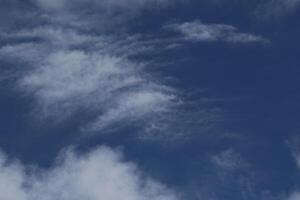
pixel 149 99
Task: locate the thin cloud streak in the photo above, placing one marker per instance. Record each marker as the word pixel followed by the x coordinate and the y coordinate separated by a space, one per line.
pixel 196 31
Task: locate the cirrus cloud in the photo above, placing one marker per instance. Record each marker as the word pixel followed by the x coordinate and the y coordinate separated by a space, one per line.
pixel 197 31
pixel 68 71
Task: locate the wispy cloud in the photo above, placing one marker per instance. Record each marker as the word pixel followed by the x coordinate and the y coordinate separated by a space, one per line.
pixel 276 8
pixel 69 71
pixel 294 145
pixel 199 32
pixel 138 104
pixel 103 15
pixel 100 174
pixel 228 160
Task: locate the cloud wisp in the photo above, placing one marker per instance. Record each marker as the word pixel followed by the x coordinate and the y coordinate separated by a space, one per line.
pixel 69 71
pixel 106 14
pixel 228 160
pixel 196 31
pixel 100 174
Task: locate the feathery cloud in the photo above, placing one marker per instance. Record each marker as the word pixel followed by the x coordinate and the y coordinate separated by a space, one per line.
pixel 70 71
pixel 67 70
pixel 198 31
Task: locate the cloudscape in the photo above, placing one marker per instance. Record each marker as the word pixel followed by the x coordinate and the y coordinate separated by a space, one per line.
pixel 149 99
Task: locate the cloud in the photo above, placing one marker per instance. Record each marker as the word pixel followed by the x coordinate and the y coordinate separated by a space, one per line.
pixel 228 160
pixel 11 180
pixel 199 32
pixel 101 174
pixel 294 145
pixel 276 8
pixel 96 14
pixel 101 4
pixel 294 196
pixel 68 71
pixel 135 106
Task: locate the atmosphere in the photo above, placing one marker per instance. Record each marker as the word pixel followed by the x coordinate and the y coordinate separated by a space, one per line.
pixel 149 100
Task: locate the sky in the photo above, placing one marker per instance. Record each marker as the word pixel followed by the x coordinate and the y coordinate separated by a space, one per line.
pixel 149 100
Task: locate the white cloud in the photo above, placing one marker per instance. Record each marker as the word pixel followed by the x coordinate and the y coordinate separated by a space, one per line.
pixel 99 175
pixel 71 71
pixel 11 181
pixel 23 52
pixel 68 70
pixel 56 35
pixel 79 78
pixel 71 80
pixel 198 31
pixel 134 106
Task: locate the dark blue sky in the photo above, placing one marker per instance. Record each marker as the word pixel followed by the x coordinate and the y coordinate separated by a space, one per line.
pixel 200 96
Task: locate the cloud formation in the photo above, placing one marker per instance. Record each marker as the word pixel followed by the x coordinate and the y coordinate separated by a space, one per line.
pixel 70 71
pixel 199 32
pixel 100 175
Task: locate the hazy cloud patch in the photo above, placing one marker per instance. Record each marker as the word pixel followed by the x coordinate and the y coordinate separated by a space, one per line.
pixel 277 8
